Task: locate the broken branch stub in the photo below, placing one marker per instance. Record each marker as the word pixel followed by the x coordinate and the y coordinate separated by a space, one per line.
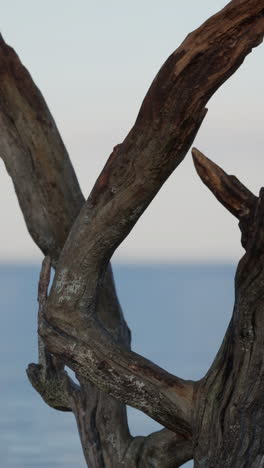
pixel 230 192
pixel 227 188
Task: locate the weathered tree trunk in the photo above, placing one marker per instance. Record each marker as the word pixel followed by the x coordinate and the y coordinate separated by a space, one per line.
pixel 217 421
pixel 229 429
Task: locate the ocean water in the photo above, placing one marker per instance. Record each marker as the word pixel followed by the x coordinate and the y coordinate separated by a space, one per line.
pixel 178 315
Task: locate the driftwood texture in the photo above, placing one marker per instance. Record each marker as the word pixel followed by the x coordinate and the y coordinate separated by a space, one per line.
pixel 217 421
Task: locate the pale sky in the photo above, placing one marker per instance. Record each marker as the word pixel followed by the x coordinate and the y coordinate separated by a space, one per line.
pixel 94 62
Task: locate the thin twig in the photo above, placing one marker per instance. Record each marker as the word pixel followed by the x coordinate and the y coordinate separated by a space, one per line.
pixel 43 285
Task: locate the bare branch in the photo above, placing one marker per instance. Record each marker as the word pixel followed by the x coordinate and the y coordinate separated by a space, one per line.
pixel 43 285
pixel 237 198
pixel 124 375
pixel 101 427
pixel 226 188
pixel 251 265
pixel 162 449
pixel 168 121
pixel 169 450
pixel 55 387
pixel 35 157
pixel 49 377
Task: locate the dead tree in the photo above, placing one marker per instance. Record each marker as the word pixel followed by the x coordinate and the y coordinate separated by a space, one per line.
pixel 217 421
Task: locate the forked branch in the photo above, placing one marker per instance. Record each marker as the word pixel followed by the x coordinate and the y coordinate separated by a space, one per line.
pixel 167 123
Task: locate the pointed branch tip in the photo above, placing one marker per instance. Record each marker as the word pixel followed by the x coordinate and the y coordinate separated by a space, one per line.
pixel 228 190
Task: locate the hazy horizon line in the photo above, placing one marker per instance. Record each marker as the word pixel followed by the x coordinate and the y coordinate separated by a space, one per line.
pixel 137 262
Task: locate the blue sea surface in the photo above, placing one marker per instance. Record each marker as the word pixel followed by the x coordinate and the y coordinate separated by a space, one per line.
pixel 178 315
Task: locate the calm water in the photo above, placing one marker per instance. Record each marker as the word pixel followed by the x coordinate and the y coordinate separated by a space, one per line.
pixel 178 315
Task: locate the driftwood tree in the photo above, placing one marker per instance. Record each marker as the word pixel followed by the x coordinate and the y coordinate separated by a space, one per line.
pixel 217 421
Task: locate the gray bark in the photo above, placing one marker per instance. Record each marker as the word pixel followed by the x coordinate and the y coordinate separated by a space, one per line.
pixel 218 421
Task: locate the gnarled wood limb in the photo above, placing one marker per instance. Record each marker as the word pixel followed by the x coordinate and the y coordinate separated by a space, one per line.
pixel 166 125
pixel 124 374
pixel 49 377
pixel 231 394
pixel 162 449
